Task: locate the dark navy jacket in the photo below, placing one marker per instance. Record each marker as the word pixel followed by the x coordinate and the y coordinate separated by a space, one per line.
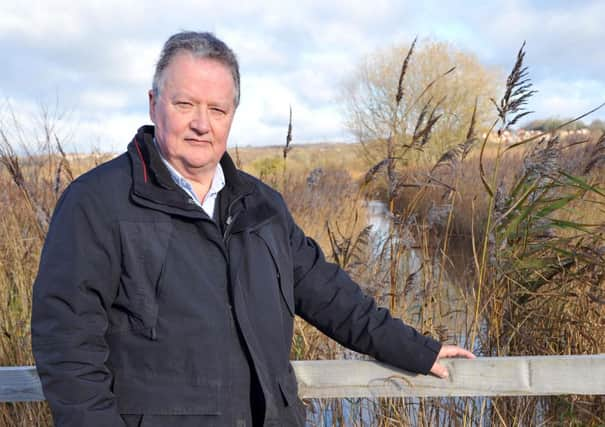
pixel 140 300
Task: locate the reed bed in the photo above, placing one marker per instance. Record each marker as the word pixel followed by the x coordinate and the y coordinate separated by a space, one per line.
pixel 498 248
pixel 531 217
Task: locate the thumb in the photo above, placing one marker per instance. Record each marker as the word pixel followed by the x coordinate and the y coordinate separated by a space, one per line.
pixel 440 370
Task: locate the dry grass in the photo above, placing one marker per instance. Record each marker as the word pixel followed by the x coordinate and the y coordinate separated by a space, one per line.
pixel 434 289
pixel 437 185
pixel 501 251
pixel 19 254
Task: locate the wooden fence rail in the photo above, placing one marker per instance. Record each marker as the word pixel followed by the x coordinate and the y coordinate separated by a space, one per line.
pixel 486 376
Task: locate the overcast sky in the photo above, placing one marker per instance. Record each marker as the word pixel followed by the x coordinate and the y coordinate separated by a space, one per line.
pixel 97 57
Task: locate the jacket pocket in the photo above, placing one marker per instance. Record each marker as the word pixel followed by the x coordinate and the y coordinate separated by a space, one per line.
pixel 283 266
pixel 289 390
pixel 144 248
pixel 165 395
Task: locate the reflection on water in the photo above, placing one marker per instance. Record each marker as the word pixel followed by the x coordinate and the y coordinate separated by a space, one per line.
pixel 417 275
pixel 380 219
pixel 416 271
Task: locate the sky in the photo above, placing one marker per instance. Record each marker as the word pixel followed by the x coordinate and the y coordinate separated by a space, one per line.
pixel 89 64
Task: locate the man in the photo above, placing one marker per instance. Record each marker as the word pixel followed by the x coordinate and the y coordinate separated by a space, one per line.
pixel 169 280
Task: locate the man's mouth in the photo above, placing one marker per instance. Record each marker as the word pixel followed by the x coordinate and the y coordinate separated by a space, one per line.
pixel 197 141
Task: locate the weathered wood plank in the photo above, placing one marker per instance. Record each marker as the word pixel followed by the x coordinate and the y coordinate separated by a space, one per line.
pixel 20 384
pixel 486 376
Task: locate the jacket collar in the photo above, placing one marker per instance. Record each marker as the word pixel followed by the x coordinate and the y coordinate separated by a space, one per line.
pixel 154 188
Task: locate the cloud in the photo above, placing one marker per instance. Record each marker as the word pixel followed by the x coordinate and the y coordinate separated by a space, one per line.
pixel 105 100
pixel 562 37
pixel 566 99
pixel 97 58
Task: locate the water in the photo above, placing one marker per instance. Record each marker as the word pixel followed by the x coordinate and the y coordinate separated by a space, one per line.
pixel 364 412
pixel 418 278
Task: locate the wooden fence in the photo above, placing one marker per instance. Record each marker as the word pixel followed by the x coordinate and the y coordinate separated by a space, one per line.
pixel 486 376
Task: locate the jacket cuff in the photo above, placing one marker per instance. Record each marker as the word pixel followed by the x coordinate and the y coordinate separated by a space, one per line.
pixel 432 348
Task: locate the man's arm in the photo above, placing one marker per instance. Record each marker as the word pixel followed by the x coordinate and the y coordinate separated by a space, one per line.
pixel 74 287
pixel 327 298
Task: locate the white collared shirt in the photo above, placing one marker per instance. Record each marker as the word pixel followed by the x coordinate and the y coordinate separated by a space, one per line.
pixel 218 183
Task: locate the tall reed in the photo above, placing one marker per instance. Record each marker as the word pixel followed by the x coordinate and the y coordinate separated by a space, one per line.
pixel 534 282
pixel 498 248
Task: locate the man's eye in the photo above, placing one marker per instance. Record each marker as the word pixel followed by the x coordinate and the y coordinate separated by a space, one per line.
pixel 218 110
pixel 184 104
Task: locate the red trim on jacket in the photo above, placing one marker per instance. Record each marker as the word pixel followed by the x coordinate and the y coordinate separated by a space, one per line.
pixel 136 144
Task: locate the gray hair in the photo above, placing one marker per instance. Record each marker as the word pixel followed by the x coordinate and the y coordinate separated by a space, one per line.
pixel 200 45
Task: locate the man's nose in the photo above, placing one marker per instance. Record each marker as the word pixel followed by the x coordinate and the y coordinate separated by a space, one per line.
pixel 200 122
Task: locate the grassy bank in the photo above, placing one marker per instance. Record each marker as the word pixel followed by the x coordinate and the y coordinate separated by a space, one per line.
pixel 517 272
pixel 496 247
pixel 534 297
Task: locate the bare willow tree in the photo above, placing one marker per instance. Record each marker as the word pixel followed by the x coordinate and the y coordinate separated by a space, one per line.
pixel 446 79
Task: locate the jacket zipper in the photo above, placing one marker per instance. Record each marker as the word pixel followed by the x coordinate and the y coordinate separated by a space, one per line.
pixel 226 237
pixel 231 219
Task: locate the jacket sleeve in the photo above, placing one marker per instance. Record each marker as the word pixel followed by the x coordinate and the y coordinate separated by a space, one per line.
pixel 327 298
pixel 75 285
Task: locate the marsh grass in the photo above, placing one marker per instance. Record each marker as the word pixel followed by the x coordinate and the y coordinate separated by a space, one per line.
pixel 499 249
pixel 35 171
pixel 531 215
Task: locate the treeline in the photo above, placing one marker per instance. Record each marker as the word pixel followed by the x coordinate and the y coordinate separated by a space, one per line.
pixel 550 124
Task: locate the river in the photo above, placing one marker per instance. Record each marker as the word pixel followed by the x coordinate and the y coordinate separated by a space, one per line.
pixel 366 412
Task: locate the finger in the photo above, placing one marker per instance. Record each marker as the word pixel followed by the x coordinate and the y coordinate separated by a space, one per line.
pixel 461 352
pixel 454 351
pixel 439 370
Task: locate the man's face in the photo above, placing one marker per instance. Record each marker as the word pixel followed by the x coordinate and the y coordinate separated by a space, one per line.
pixel 193 113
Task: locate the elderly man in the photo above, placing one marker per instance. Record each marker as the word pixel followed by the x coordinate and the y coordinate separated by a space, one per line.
pixel 169 279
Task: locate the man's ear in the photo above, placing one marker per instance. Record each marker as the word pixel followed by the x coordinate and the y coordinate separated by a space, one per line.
pixel 152 101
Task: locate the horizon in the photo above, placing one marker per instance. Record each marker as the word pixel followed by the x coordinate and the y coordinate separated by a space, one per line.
pixel 92 67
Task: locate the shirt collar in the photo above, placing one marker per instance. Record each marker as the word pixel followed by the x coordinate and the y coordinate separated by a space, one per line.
pixel 217 184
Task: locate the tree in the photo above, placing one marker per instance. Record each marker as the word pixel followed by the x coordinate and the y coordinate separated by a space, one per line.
pixel 440 80
pixel 552 124
pixel 598 125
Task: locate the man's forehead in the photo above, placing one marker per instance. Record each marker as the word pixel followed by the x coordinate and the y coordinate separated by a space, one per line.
pixel 187 65
pixel 191 67
pixel 189 59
